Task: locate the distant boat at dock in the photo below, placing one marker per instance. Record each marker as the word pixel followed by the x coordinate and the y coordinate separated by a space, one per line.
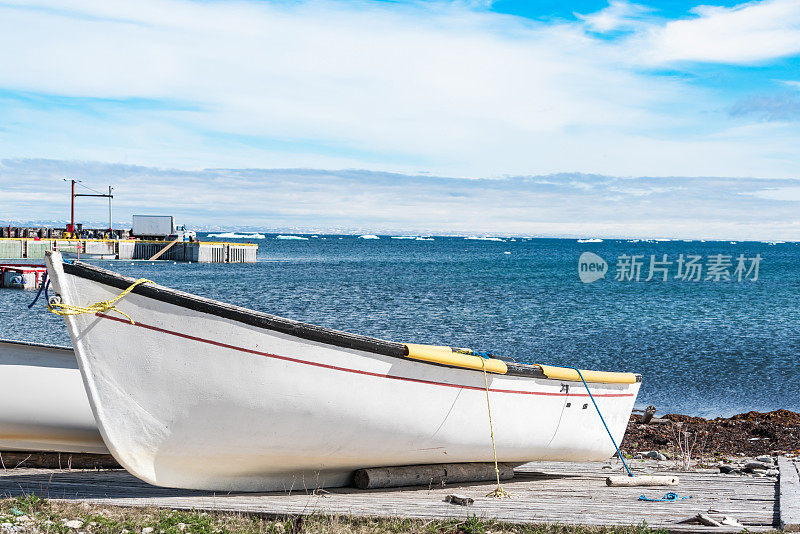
pixel 21 275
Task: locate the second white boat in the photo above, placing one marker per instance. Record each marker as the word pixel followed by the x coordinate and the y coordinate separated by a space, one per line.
pixel 43 404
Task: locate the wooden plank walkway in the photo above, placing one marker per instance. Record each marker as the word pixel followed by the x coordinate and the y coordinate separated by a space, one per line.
pixel 543 492
pixel 789 494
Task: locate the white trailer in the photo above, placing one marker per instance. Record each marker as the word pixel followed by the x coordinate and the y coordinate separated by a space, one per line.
pixel 153 226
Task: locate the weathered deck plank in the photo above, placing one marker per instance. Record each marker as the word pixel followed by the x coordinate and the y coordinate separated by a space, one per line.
pixel 789 494
pixel 544 492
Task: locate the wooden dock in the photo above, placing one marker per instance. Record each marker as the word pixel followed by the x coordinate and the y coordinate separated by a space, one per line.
pixel 542 492
pixel 789 495
pixel 131 249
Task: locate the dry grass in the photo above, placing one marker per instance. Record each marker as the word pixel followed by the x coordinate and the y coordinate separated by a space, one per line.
pixel 30 514
pixel 684 447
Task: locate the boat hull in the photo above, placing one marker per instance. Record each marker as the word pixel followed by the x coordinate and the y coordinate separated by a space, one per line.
pixel 190 399
pixel 43 404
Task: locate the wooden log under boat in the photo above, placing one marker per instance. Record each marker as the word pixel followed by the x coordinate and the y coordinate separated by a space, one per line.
pixel 430 475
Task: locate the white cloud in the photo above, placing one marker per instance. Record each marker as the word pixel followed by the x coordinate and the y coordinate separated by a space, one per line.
pixel 437 86
pixel 785 194
pixel 746 34
pixel 561 204
pixel 619 15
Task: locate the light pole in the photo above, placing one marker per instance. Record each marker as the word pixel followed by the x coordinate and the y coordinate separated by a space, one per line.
pixel 71 227
pixel 110 220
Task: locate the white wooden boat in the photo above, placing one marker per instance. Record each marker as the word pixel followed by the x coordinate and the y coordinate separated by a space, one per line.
pixel 205 395
pixel 43 404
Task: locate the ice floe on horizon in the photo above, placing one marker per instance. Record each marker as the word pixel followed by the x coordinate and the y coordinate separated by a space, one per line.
pixel 289 237
pixel 235 235
pixel 368 236
pixel 590 240
pixel 485 238
pixel 413 237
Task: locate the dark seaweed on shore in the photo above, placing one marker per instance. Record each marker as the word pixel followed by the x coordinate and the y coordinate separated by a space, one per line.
pixel 750 434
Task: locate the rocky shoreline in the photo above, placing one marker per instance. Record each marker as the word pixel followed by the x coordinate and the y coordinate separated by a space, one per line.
pixel 750 434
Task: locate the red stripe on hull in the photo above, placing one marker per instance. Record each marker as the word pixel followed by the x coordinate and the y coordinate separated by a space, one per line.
pixel 348 370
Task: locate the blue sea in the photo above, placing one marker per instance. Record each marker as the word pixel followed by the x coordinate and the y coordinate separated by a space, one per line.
pixel 711 347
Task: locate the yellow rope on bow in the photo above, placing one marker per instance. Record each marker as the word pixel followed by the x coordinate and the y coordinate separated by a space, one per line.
pixel 498 492
pixel 59 308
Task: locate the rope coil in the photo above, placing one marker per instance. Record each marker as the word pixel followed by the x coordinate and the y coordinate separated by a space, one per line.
pixel 668 497
pixel 60 308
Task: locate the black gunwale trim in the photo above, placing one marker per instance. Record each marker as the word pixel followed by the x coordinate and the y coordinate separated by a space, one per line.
pixel 319 334
pixel 255 318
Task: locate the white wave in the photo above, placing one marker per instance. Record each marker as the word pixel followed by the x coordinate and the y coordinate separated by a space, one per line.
pixel 485 238
pixel 368 236
pixel 590 240
pixel 295 237
pixel 234 235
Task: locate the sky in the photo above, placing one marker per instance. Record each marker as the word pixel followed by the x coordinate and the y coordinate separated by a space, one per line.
pixel 510 90
pixel 312 201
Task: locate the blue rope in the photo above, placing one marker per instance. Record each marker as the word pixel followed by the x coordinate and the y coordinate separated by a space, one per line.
pixel 39 293
pixel 668 497
pixel 604 421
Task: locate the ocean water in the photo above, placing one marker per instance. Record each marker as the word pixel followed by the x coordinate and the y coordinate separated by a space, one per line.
pixel 705 348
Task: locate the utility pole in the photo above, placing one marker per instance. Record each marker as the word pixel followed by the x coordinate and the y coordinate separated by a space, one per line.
pixel 71 227
pixel 110 220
